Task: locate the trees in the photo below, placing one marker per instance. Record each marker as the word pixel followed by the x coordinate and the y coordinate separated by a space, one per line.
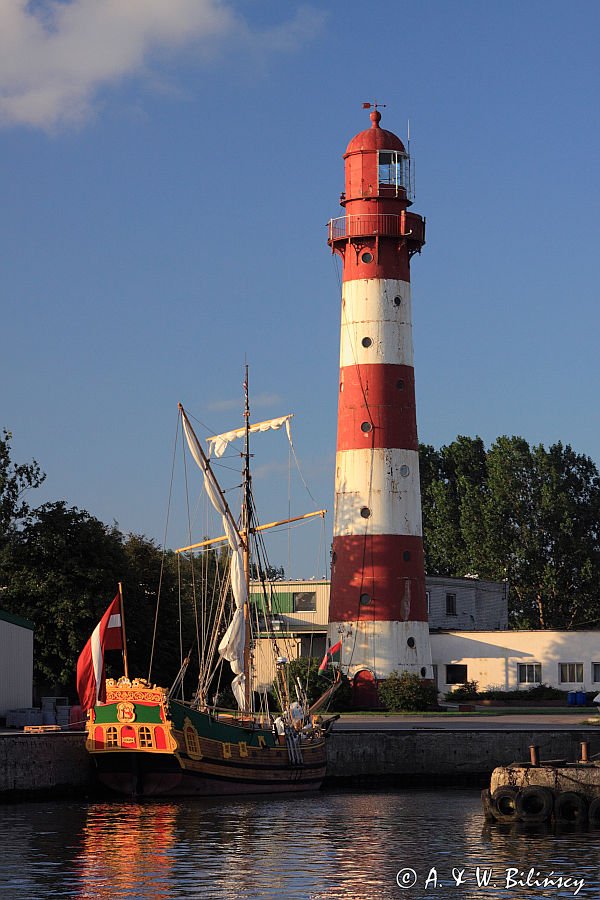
pixel 15 480
pixel 527 514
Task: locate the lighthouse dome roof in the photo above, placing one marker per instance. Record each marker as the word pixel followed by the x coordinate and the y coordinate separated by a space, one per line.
pixel 375 138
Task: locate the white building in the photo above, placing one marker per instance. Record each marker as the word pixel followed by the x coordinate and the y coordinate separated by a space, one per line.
pixel 470 640
pixel 16 662
pixel 512 660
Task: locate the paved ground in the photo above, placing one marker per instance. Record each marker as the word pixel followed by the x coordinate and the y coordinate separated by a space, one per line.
pixel 512 722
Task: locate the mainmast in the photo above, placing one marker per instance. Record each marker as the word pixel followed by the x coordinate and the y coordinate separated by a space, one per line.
pixel 246 515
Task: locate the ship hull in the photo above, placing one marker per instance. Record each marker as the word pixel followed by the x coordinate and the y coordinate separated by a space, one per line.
pixel 144 745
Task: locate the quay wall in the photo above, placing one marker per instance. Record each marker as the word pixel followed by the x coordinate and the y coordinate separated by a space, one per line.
pixel 58 764
pixel 441 755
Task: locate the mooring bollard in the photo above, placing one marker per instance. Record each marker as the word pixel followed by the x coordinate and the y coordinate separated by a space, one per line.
pixel 585 751
pixel 534 755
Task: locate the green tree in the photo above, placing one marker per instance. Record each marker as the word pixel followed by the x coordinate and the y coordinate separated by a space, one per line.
pixel 15 480
pixel 526 514
pixel 62 570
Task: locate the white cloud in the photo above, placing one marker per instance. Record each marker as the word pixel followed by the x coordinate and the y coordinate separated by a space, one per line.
pixel 56 55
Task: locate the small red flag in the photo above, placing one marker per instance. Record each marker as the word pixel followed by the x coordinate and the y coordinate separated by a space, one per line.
pixel 329 654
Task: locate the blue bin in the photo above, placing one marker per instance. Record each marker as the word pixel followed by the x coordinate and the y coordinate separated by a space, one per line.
pixel 571 698
pixel 581 698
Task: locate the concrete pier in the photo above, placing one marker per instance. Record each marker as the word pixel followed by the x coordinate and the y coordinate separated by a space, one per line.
pixel 57 764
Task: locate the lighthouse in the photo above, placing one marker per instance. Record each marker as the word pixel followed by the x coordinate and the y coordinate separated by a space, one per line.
pixel 378 603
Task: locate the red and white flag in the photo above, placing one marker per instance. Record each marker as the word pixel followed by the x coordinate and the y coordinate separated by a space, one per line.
pixel 329 654
pixel 107 635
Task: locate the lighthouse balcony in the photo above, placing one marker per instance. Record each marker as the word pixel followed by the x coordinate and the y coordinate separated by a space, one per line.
pixel 406 225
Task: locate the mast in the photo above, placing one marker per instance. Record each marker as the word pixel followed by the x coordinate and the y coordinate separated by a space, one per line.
pixel 246 512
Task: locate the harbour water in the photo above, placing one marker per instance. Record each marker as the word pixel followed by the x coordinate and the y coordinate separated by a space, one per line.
pixel 357 845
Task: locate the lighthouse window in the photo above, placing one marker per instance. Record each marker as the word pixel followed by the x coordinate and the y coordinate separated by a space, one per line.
pixel 367 257
pixel 366 427
pixel 392 168
pixel 411 642
pixel 397 301
pixel 365 599
pixel 404 471
pixel 365 512
pixel 400 384
pixel 406 556
pixel 366 342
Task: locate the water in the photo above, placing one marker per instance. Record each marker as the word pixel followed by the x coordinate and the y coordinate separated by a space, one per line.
pixel 328 845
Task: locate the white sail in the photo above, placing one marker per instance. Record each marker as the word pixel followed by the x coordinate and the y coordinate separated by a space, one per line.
pixel 220 442
pixel 233 642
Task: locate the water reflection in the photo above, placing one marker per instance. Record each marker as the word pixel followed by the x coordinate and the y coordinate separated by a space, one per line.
pixel 329 845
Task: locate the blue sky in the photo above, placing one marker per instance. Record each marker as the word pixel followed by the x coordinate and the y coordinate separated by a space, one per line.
pixel 167 170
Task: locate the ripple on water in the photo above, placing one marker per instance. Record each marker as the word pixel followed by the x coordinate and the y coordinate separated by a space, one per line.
pixel 334 845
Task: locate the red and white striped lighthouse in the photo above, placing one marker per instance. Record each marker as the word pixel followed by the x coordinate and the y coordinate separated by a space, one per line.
pixel 378 603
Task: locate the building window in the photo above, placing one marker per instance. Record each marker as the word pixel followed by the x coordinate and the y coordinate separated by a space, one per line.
pixel 596 672
pixel 111 736
pixel 450 606
pixel 305 601
pixel 571 673
pixel 456 674
pixel 530 673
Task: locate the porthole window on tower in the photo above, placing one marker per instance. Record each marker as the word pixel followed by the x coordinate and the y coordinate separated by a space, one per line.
pixel 367 257
pixel 366 342
pixel 365 599
pixel 400 384
pixel 397 301
pixel 411 642
pixel 366 427
pixel 404 471
pixel 365 512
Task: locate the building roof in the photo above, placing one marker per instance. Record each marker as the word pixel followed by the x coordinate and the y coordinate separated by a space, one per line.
pixel 375 138
pixel 16 620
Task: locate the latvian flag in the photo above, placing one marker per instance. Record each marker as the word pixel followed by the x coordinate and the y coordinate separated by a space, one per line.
pixel 329 654
pixel 107 635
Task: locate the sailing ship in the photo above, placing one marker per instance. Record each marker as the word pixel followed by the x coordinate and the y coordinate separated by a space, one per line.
pixel 147 741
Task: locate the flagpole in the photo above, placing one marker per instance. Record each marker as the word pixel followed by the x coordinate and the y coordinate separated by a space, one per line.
pixel 125 666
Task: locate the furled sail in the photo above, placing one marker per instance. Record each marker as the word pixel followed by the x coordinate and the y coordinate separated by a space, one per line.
pixel 232 644
pixel 220 442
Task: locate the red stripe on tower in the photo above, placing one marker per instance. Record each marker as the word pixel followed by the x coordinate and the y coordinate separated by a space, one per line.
pixel 378 602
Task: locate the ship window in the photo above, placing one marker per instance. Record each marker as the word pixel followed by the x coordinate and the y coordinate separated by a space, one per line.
pixel 192 744
pixel 111 736
pixel 145 736
pixel 305 601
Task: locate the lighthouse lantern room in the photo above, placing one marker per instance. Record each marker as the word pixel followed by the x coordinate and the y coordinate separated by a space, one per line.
pixel 378 603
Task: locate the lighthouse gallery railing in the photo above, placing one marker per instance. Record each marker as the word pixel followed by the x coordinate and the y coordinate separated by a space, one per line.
pixel 372 223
